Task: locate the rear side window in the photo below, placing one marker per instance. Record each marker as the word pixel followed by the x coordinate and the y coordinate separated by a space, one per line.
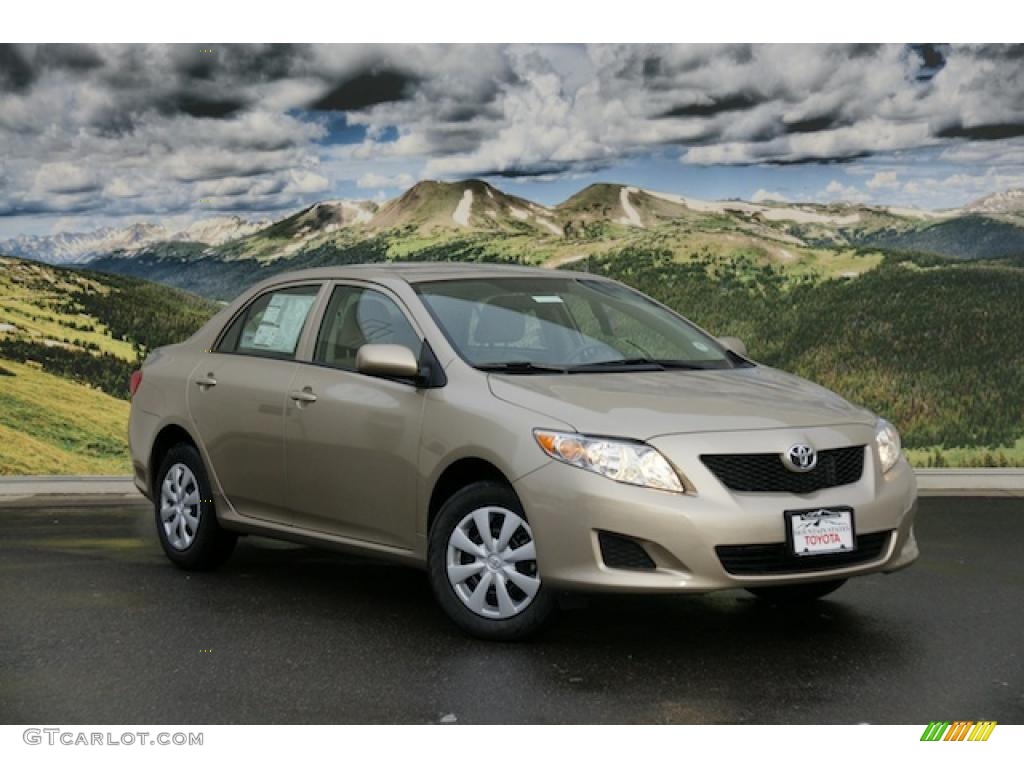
pixel 272 324
pixel 356 316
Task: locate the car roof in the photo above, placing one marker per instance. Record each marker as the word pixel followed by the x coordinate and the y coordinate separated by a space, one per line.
pixel 415 272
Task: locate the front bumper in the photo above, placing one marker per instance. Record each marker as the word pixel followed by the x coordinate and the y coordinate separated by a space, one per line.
pixel 568 507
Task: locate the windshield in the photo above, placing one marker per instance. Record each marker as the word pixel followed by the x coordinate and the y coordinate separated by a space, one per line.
pixel 565 325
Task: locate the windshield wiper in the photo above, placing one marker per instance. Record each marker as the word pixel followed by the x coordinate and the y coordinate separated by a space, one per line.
pixel 682 365
pixel 636 364
pixel 603 366
pixel 520 366
pixel 633 363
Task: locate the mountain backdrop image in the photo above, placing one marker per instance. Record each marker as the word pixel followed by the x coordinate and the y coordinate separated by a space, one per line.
pixel 854 213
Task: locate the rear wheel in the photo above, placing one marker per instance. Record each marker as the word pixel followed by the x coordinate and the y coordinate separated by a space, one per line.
pixel 797 593
pixel 186 521
pixel 482 564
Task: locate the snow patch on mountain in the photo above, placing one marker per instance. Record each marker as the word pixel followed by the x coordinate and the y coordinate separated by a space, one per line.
pixel 804 216
pixel 218 229
pixel 918 213
pixel 632 217
pixel 549 225
pixel 355 211
pixel 461 214
pixel 783 212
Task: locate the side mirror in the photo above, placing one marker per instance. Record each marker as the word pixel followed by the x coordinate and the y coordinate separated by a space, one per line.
pixel 387 360
pixel 733 343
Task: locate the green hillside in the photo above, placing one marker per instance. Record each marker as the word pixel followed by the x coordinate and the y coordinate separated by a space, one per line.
pixel 50 425
pixel 89 327
pixel 69 341
pixel 968 237
pixel 926 343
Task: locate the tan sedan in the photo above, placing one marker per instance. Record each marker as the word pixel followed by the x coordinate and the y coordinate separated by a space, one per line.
pixel 516 432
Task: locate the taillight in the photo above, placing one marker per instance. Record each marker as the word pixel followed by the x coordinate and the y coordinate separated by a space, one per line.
pixel 134 382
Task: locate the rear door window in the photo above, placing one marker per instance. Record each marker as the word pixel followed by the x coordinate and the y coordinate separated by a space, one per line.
pixel 272 324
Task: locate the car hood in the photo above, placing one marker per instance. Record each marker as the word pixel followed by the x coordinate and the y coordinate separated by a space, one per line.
pixel 641 405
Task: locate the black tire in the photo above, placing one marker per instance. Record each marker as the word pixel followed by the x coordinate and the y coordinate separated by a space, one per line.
pixel 793 594
pixel 524 624
pixel 211 545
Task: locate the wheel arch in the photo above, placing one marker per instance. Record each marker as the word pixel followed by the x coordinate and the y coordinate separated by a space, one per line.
pixel 169 435
pixel 458 475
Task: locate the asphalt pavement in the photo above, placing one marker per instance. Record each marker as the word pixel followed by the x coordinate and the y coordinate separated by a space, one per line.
pixel 97 627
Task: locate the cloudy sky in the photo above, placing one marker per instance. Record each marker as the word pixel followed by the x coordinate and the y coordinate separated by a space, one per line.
pixel 94 135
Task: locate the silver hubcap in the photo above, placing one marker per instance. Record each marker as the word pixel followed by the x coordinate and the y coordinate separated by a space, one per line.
pixel 492 565
pixel 179 506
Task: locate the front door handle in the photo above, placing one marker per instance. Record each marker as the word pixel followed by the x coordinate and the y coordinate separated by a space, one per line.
pixel 206 381
pixel 302 396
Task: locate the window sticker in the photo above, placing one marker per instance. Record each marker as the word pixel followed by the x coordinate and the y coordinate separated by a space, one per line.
pixel 548 299
pixel 281 323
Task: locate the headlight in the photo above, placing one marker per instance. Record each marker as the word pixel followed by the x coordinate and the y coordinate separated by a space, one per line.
pixel 888 441
pixel 626 462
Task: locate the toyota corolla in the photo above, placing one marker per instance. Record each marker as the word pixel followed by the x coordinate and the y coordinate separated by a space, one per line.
pixel 517 433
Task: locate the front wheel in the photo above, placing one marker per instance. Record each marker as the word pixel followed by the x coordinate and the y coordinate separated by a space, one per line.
pixel 186 521
pixel 482 564
pixel 797 593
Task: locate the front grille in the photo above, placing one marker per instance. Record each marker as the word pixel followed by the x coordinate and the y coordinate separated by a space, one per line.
pixel 765 559
pixel 621 552
pixel 763 472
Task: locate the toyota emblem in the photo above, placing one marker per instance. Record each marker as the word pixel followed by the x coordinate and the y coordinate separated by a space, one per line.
pixel 800 458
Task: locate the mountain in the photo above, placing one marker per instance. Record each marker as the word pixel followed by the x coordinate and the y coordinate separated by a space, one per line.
pixel 473 219
pixel 599 206
pixel 82 247
pixel 465 206
pixel 216 230
pixel 300 231
pixel 1009 201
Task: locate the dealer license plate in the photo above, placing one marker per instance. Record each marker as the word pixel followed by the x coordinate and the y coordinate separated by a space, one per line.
pixel 825 530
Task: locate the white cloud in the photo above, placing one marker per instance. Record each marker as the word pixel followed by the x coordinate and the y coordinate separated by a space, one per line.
pixel 64 178
pixel 991 153
pixel 848 193
pixel 378 180
pixel 960 188
pixel 122 187
pixel 883 180
pixel 306 182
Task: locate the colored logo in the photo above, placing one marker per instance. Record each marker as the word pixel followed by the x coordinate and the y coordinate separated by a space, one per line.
pixel 960 730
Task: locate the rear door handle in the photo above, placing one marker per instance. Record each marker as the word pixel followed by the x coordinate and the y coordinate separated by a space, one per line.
pixel 206 381
pixel 302 396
